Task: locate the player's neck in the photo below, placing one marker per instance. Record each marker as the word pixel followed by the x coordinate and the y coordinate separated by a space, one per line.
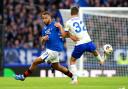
pixel 50 22
pixel 72 16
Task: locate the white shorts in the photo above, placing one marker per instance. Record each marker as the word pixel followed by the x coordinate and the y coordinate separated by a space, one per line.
pixel 50 56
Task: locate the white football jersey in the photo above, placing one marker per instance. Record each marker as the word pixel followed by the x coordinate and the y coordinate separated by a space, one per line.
pixel 76 27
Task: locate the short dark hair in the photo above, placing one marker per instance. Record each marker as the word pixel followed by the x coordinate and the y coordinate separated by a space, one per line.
pixel 74 10
pixel 45 13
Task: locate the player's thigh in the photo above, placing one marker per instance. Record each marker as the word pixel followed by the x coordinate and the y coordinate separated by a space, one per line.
pixel 91 47
pixel 38 60
pixel 77 52
pixel 80 49
pixel 54 56
pixel 44 55
pixel 55 65
pixel 50 56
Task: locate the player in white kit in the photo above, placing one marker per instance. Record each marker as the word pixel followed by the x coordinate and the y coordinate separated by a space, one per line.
pixel 78 33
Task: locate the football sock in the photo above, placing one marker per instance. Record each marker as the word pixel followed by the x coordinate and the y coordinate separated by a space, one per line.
pixel 105 56
pixel 27 73
pixel 73 69
pixel 99 58
pixel 69 74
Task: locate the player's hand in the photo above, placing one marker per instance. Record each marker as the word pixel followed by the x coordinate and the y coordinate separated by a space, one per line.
pixel 57 24
pixel 45 38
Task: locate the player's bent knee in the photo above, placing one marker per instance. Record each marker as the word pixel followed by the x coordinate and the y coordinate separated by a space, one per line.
pixel 72 60
pixel 37 61
pixel 34 63
pixel 95 53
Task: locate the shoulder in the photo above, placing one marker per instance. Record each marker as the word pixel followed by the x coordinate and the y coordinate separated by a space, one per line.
pixel 72 20
pixel 44 28
pixel 68 22
pixel 54 22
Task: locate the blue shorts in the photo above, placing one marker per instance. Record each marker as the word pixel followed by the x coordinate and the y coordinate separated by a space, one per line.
pixel 80 49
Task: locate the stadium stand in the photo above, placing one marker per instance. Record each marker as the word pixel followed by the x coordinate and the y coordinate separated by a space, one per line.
pixel 22 18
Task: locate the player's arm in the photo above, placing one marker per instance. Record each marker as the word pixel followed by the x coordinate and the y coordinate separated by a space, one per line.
pixel 63 33
pixel 73 37
pixel 67 30
pixel 43 39
pixel 66 33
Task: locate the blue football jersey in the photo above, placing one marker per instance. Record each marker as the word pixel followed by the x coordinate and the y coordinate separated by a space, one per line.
pixel 55 41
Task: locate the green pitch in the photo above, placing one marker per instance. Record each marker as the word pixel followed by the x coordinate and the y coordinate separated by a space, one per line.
pixel 64 83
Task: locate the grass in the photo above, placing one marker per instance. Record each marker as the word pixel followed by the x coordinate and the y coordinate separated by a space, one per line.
pixel 64 83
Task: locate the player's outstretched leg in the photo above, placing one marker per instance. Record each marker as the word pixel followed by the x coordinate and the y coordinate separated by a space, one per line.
pixel 29 71
pixel 99 57
pixel 62 69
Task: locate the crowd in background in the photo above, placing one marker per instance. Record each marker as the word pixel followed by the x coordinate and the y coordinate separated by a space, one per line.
pixel 102 3
pixel 105 29
pixel 23 23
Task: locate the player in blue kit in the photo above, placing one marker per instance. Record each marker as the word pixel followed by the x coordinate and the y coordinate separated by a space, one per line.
pixel 53 43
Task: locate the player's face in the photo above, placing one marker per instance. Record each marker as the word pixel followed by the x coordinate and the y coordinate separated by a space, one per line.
pixel 46 19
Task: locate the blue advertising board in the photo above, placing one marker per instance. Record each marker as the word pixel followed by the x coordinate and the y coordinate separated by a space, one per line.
pixel 24 57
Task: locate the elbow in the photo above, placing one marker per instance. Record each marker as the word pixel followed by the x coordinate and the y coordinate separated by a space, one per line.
pixel 64 35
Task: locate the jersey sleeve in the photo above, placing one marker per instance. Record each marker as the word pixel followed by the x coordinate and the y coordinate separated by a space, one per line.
pixel 67 27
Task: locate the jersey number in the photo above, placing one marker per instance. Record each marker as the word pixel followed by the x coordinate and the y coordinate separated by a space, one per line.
pixel 78 27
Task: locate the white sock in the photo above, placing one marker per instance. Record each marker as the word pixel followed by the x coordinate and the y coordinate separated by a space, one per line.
pixel 105 56
pixel 73 69
pixel 100 58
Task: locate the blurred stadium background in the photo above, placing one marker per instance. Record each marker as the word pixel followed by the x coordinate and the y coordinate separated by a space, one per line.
pixel 20 29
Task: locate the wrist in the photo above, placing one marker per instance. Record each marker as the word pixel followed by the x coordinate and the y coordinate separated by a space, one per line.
pixel 60 27
pixel 42 38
